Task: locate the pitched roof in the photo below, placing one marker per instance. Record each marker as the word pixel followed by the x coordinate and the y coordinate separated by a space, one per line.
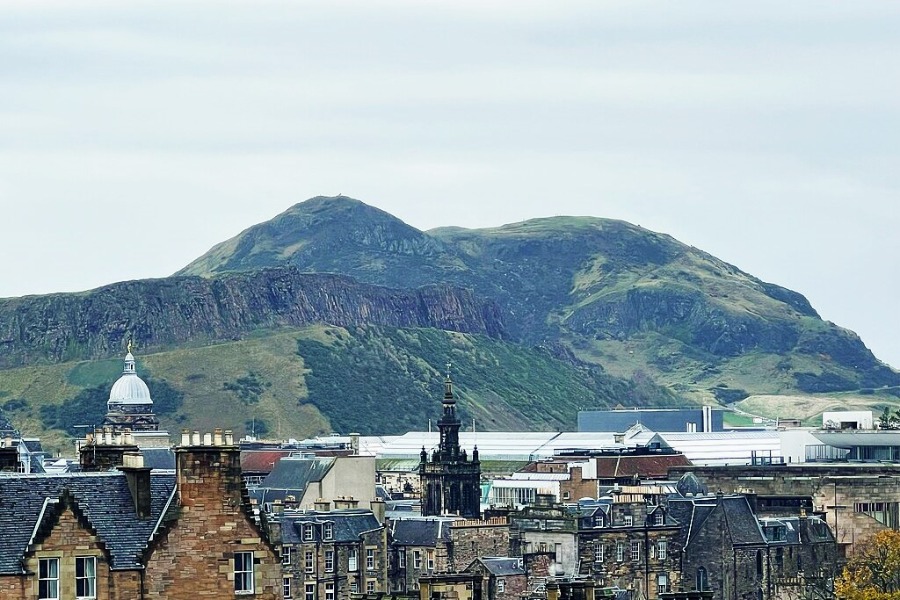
pixel 347 524
pixel 646 466
pixel 296 474
pixel 420 532
pixel 159 458
pixel 502 566
pixel 30 502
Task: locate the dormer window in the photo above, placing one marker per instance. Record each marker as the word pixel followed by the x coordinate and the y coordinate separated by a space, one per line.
pixel 628 520
pixel 659 518
pixel 307 533
pixel 328 531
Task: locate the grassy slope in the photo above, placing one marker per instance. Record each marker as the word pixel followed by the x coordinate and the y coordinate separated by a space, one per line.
pixel 302 382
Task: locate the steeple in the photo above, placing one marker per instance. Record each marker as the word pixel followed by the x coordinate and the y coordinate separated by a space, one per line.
pixel 449 423
pixel 450 479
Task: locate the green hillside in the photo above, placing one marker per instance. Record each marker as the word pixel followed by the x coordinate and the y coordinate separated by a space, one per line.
pixel 318 379
pixel 614 294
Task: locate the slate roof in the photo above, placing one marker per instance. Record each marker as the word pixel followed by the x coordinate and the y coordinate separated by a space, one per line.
pixel 420 532
pixel 296 474
pixel 30 503
pixel 743 527
pixel 347 524
pixel 159 458
pixel 502 566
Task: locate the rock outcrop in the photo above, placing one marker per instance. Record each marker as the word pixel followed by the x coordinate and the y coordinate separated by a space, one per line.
pixel 163 313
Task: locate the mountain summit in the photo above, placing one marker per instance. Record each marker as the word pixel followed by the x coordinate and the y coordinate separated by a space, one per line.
pixel 610 292
pixel 337 316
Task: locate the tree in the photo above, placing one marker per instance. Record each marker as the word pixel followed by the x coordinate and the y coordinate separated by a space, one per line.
pixel 873 572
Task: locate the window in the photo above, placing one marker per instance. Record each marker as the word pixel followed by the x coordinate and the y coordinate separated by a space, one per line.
pixel 307 533
pixel 501 585
pixel 598 521
pixel 659 518
pixel 287 555
pixel 599 551
pixel 635 551
pixel 329 591
pixel 629 520
pixel 401 558
pixel 309 591
pixel 309 562
pixel 662 583
pixel 430 555
pixel 352 559
pixel 620 551
pixel 417 559
pixel 328 531
pixel 329 561
pixel 354 587
pixel 370 559
pixel 702 581
pixel 85 577
pixel 48 579
pixel 243 572
pixel 370 586
pixel 662 549
pixel 286 588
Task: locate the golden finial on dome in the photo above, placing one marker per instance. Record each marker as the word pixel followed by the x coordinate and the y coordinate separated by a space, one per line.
pixel 130 346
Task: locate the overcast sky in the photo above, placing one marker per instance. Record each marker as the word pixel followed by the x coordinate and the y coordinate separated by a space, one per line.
pixel 135 135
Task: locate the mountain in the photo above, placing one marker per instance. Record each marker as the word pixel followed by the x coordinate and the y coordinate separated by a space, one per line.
pixel 613 293
pixel 336 316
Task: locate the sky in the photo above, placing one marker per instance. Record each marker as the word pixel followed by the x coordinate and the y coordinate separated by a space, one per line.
pixel 136 135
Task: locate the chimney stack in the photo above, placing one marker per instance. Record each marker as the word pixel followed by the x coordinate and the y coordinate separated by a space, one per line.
pixel 378 508
pixel 208 470
pixel 321 505
pixel 138 477
pixel 354 444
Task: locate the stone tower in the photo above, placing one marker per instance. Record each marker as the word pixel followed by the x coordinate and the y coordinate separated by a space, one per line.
pixel 451 482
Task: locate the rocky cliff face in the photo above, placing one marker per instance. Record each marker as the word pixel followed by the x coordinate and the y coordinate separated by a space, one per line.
pixel 162 313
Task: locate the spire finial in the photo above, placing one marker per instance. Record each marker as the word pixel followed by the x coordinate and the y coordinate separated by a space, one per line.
pixel 130 346
pixel 449 364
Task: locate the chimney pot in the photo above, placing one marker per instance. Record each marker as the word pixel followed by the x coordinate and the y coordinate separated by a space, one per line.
pixel 207 439
pixel 217 437
pixel 229 438
pixel 195 438
pixel 185 437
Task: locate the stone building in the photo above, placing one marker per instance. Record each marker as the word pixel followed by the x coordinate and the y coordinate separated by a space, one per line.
pixel 545 528
pixel 331 554
pixel 624 540
pixel 474 538
pixel 130 533
pixel 856 499
pixel 450 480
pixel 721 545
pixel 419 547
pixel 301 481
pixel 502 578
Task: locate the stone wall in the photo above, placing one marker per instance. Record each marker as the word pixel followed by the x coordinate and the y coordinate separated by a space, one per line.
pixel 475 538
pixel 194 556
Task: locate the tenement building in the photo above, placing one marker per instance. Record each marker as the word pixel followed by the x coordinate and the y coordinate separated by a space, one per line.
pixel 131 533
pixel 450 480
